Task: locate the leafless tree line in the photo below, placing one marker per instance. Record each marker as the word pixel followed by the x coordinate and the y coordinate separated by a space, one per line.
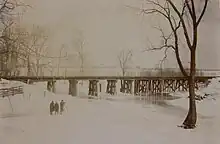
pixel 18 46
pixel 21 47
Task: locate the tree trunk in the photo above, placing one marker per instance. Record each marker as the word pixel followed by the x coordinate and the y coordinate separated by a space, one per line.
pixel 190 121
pixel 28 67
pixel 180 63
pixel 2 64
pixel 37 67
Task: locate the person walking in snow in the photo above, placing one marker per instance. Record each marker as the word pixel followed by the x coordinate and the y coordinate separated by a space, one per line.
pixel 51 108
pixel 62 106
pixel 56 106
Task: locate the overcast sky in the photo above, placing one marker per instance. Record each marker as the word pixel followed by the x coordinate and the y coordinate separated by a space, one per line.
pixel 108 26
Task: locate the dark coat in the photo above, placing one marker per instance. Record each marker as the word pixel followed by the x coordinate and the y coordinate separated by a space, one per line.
pixel 52 106
pixel 56 107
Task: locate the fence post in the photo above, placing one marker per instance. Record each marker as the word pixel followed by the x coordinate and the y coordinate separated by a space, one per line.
pixel 10 104
pixel 13 92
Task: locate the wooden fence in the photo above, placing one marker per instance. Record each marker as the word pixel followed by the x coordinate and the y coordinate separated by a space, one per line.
pixel 5 92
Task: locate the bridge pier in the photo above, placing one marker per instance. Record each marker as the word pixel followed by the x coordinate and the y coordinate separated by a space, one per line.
pixel 28 81
pixel 73 87
pixel 111 87
pixel 136 86
pixel 157 86
pixel 140 86
pixel 93 87
pixel 180 85
pixel 51 86
pixel 170 85
pixel 126 86
pixel 122 88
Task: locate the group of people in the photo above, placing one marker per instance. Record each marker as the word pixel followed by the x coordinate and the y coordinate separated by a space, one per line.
pixel 56 108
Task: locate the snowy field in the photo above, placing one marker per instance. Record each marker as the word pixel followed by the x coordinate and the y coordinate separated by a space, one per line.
pixel 107 120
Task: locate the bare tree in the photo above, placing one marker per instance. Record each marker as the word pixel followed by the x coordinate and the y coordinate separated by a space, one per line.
pixel 124 58
pixel 8 47
pixel 79 47
pixel 26 48
pixel 81 54
pixel 184 19
pixel 63 46
pixel 9 13
pixel 18 38
pixel 36 48
pixel 12 57
pixel 79 43
pixel 33 49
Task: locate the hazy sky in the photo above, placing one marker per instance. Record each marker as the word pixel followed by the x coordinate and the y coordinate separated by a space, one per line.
pixel 108 26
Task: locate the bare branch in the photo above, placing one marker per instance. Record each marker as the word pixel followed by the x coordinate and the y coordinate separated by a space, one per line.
pixel 166 44
pixel 165 57
pixel 189 8
pixel 203 12
pixel 171 40
pixel 186 34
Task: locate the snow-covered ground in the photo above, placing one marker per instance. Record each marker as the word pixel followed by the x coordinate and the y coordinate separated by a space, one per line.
pixel 107 120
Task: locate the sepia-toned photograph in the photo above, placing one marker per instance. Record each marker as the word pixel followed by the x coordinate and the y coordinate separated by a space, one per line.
pixel 109 71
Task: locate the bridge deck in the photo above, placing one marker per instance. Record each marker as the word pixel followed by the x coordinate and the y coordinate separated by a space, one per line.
pixel 98 77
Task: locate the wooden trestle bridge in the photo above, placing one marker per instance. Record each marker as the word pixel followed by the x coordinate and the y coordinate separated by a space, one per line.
pixel 129 84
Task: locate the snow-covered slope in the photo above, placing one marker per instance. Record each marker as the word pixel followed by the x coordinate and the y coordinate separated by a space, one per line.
pixel 101 121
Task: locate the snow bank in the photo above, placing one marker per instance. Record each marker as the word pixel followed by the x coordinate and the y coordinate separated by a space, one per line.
pixel 209 106
pixel 213 88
